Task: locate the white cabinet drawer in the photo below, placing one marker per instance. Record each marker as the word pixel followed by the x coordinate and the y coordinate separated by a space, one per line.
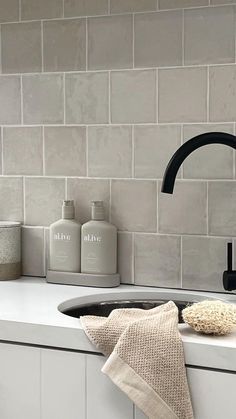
pixel 19 382
pixel 63 385
pixel 213 394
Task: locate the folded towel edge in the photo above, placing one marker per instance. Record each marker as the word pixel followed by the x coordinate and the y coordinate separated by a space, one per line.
pixel 136 388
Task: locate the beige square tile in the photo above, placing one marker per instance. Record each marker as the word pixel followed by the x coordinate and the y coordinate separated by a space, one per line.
pixel 87 98
pixel 85 7
pixel 9 10
pixel 125 257
pixel 133 97
pixel 157 260
pixel 110 151
pixel 214 161
pixel 10 100
pixel 65 151
pixel 33 251
pixel 43 99
pixel 223 93
pixel 204 260
pixel 134 205
pixel 43 200
pixel 183 95
pixel 184 212
pixel 209 35
pixel 11 202
pixel 83 191
pixel 21 47
pixel 154 145
pixel 64 45
pixel 122 6
pixel 23 151
pixel 41 9
pixel 110 42
pixel 158 39
pixel 174 4
pixel 222 215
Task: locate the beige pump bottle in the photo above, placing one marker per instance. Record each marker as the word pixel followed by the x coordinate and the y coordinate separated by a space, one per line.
pixel 98 243
pixel 64 240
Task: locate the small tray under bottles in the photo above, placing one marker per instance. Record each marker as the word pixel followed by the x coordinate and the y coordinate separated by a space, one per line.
pixel 85 280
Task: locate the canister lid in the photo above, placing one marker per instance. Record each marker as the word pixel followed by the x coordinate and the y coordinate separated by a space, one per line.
pixel 8 224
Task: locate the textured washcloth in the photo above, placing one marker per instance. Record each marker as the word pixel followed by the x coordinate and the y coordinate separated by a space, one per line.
pixel 146 358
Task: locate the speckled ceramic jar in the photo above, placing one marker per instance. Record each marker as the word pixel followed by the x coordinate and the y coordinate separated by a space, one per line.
pixel 10 250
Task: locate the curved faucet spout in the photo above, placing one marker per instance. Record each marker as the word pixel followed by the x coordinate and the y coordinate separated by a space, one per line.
pixel 186 149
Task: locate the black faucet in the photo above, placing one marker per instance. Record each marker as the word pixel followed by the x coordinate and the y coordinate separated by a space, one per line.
pixel 229 278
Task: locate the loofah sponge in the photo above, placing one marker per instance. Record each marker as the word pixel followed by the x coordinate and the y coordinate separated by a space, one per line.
pixel 211 317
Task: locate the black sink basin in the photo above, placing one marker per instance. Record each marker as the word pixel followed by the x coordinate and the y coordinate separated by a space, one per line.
pixel 104 308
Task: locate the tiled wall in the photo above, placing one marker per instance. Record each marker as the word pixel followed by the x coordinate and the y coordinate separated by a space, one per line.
pixel 95 96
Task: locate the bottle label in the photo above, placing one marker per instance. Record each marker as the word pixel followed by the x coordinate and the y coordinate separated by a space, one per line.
pixel 62 237
pixel 92 238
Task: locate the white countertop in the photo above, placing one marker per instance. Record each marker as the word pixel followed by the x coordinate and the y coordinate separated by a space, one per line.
pixel 29 315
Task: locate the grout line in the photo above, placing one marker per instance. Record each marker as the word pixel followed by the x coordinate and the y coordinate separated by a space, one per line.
pixel 118 70
pixel 133 259
pixel 45 259
pixel 157 5
pixel 64 98
pixel 43 146
pixel 182 141
pixel 233 258
pixel 63 9
pixel 156 10
pixel 234 157
pixel 20 6
pixel 155 234
pixel 157 95
pixel 21 100
pixel 157 206
pixel 133 40
pixel 208 94
pixel 234 40
pixel 87 151
pixel 207 207
pixel 132 153
pixel 123 124
pixel 178 180
pixel 181 262
pixel 24 203
pixel 2 161
pixel 183 37
pixel 86 44
pixel 110 199
pixel 109 97
pixel 42 49
pixel 1 49
pixel 66 188
pixel 108 7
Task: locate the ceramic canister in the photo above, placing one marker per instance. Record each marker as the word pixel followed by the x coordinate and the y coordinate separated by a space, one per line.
pixel 10 250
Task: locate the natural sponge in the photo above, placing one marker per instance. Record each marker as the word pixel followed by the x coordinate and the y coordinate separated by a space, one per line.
pixel 211 317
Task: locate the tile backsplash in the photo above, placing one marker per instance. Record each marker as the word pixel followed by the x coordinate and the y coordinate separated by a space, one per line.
pixel 95 97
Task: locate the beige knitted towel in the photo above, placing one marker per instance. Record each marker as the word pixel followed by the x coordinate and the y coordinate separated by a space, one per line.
pixel 146 358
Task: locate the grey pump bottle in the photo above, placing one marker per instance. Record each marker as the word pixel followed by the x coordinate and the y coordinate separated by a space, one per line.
pixel 98 243
pixel 64 247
